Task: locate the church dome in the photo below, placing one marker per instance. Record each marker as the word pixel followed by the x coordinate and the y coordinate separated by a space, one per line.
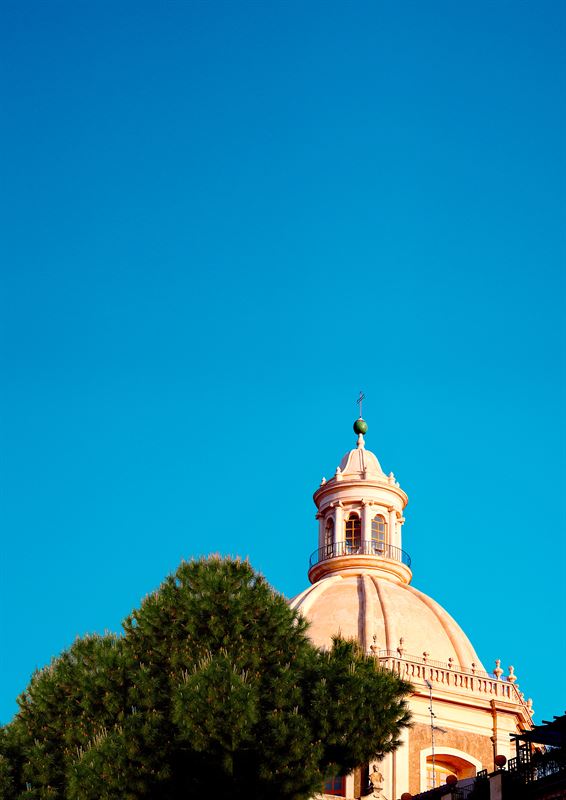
pixel 361 590
pixel 361 576
pixel 361 464
pixel 403 620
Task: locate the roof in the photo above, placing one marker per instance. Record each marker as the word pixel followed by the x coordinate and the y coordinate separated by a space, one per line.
pixel 361 463
pixel 362 606
pixel 552 733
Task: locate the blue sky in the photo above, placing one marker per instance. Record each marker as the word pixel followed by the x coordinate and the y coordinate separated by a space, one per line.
pixel 223 220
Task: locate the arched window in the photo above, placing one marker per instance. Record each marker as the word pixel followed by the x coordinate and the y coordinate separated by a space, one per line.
pixel 438 777
pixel 447 761
pixel 329 537
pixel 353 533
pixel 378 535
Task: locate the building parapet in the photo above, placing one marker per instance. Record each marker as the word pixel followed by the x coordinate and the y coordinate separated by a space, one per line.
pixel 451 676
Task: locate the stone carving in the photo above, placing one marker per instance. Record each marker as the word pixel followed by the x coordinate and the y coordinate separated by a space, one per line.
pixel 376 781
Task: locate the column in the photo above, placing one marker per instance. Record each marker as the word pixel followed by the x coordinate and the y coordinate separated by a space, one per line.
pixel 402 765
pixel 393 537
pixel 387 769
pixel 339 529
pixel 366 526
pixel 350 785
pixel 400 522
pixel 320 519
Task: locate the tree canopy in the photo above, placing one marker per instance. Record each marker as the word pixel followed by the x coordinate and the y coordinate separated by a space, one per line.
pixel 213 688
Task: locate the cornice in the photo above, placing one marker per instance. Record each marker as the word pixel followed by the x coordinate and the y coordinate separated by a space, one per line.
pixel 358 564
pixel 345 484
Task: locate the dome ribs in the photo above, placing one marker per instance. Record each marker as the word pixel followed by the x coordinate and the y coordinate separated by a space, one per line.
pixel 366 612
pixel 384 609
pixel 453 631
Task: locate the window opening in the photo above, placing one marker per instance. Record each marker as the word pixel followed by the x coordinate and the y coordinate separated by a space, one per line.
pixel 329 538
pixel 353 533
pixel 336 786
pixel 439 778
pixel 446 764
pixel 378 535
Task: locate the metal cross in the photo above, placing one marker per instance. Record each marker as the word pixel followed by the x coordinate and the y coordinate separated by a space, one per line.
pixel 359 402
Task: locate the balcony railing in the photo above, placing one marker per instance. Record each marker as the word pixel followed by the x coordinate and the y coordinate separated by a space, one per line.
pixel 529 767
pixel 337 549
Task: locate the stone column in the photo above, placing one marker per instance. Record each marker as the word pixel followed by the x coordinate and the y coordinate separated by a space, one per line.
pixel 387 769
pixel 366 525
pixel 400 522
pixel 338 528
pixel 350 785
pixel 402 765
pixel 321 525
pixel 393 537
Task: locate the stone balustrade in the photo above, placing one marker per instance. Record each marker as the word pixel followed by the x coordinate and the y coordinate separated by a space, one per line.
pixel 417 671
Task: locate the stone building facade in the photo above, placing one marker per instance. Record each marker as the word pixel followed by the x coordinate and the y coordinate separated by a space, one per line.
pixel 361 588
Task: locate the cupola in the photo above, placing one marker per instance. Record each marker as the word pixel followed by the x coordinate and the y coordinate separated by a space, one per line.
pixel 360 514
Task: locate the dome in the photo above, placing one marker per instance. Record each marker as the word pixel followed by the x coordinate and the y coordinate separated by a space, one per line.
pixel 361 590
pixel 364 606
pixel 361 464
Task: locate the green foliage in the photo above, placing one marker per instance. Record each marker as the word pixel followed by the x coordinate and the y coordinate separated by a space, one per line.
pixel 8 757
pixel 366 703
pixel 214 688
pixel 62 708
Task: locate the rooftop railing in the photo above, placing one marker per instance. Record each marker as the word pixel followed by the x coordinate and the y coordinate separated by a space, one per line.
pixel 424 659
pixel 468 681
pixel 338 549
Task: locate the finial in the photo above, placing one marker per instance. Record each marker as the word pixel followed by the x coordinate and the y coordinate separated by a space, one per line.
pixel 511 677
pixel 530 708
pixel 498 672
pixel 360 425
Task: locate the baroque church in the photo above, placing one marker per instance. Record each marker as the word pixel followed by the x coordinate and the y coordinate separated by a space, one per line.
pixel 361 588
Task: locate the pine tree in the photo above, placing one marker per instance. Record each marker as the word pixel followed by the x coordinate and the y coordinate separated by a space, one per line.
pixel 65 707
pixel 214 689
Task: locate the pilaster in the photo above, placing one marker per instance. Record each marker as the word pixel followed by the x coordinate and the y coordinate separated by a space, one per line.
pixel 338 525
pixel 366 520
pixel 393 533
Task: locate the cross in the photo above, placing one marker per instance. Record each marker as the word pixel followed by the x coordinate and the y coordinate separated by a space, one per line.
pixel 359 402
